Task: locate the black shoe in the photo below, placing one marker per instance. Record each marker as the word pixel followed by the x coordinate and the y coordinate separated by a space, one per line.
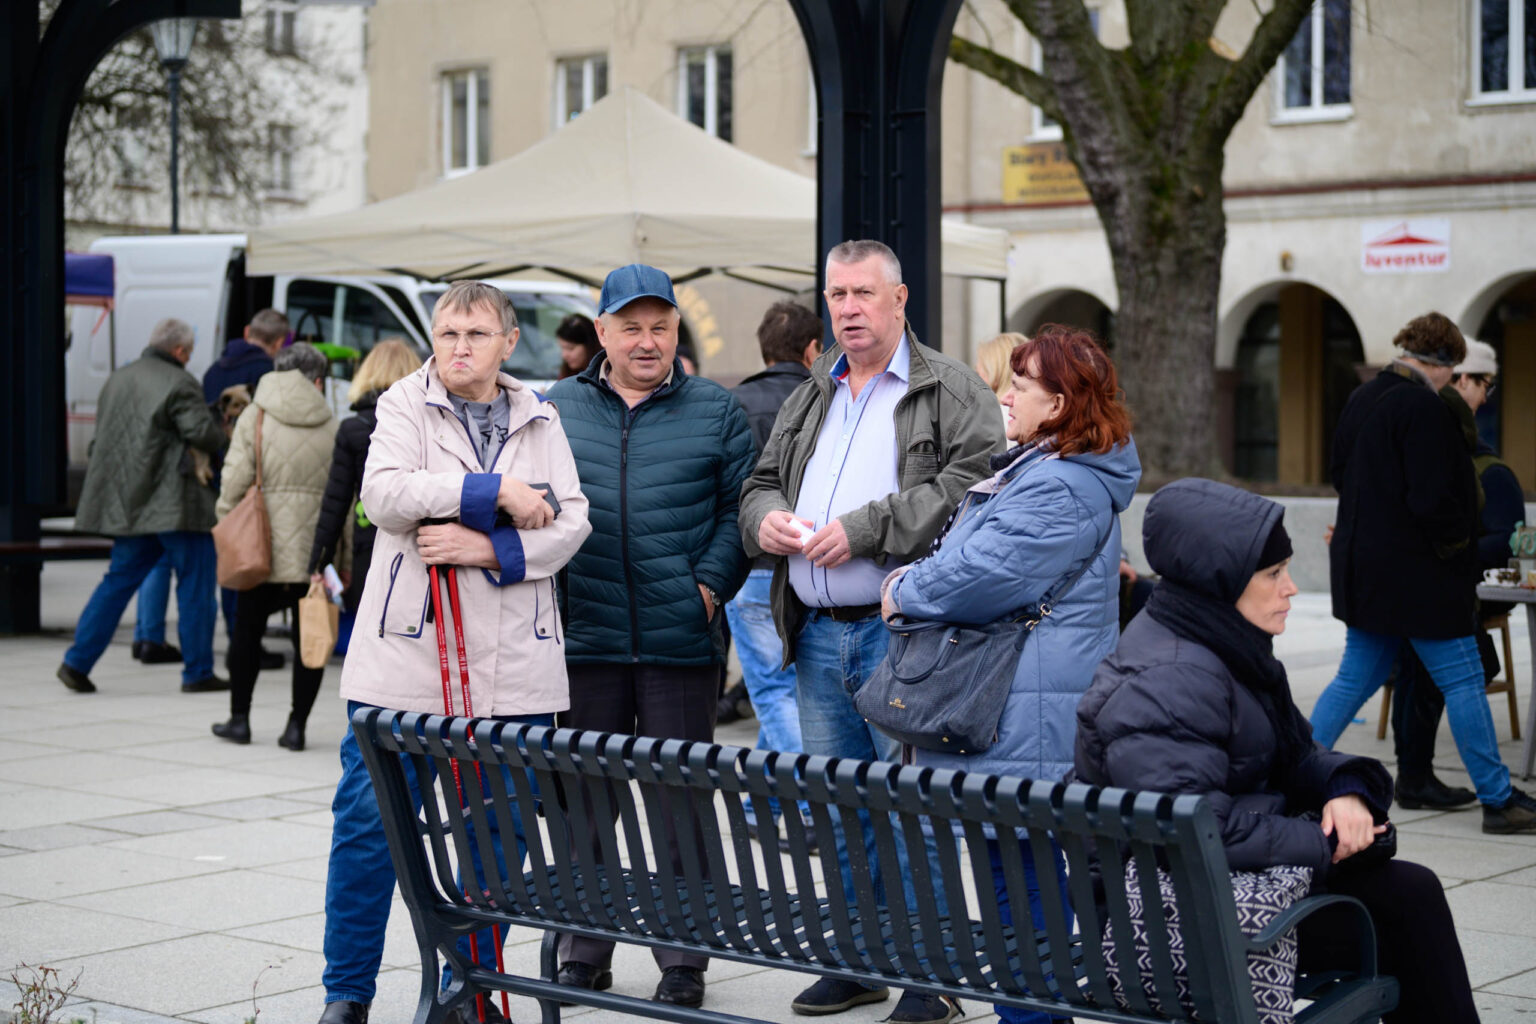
pixel 831 995
pixel 75 680
pixel 916 1008
pixel 1518 814
pixel 681 986
pixel 293 736
pixel 208 684
pixel 1414 794
pixel 270 661
pixel 345 1011
pixel 151 653
pixel 579 975
pixel 467 1013
pixel 236 730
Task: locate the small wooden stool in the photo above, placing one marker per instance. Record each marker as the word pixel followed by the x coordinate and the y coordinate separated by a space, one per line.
pixel 1503 684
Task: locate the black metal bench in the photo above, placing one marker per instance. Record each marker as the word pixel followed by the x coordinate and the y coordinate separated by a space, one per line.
pixel 763 908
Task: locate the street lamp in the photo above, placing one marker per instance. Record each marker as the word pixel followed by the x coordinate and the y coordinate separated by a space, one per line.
pixel 173 43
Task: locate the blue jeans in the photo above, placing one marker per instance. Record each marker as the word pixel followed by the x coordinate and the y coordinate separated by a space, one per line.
pixel 771 688
pixel 832 661
pixel 1012 1014
pixel 154 596
pixel 191 555
pixel 360 882
pixel 1457 669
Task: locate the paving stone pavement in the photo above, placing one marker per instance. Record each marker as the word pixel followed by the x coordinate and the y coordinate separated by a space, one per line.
pixel 175 877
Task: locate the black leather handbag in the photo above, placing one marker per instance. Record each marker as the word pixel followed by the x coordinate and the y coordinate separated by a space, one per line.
pixel 942 686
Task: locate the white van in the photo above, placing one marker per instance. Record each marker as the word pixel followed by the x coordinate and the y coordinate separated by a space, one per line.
pixel 201 279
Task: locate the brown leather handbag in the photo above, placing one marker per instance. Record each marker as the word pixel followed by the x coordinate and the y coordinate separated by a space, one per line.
pixel 243 538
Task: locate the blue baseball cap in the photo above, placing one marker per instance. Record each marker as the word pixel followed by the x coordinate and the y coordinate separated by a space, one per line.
pixel 636 281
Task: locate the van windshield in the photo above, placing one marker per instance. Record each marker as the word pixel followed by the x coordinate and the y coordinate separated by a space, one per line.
pixel 537 356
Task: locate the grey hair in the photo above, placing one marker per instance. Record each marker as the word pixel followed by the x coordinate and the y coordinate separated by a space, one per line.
pixel 170 334
pixel 464 296
pixel 859 250
pixel 305 358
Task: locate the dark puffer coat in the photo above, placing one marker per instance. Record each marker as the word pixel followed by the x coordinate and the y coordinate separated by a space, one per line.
pixel 1166 714
pixel 663 480
pixel 1403 556
pixel 340 500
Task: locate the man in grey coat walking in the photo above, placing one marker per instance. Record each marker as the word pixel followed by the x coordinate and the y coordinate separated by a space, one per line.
pixel 142 490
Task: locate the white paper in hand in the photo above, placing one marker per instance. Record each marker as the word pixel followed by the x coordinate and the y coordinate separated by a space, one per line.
pixel 805 532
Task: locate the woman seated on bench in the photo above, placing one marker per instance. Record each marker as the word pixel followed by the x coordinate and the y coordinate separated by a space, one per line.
pixel 1194 701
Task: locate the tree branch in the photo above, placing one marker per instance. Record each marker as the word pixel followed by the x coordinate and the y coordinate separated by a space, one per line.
pixel 1010 74
pixel 1241 78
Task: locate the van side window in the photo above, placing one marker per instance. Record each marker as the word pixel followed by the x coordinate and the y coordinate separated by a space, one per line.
pixel 341 314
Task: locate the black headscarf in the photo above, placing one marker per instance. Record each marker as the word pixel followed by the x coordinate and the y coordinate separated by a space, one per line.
pixel 1197 596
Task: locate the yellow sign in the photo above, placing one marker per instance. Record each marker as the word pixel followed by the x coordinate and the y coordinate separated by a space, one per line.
pixel 1041 173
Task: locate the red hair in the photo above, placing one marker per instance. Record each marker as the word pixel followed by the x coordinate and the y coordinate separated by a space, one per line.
pixel 1070 362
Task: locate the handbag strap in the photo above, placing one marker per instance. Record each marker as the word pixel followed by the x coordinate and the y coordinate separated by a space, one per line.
pixel 260 412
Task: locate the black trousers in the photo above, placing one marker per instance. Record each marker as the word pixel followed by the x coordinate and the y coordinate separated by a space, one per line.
pixel 1416 940
pixel 251 610
pixel 669 701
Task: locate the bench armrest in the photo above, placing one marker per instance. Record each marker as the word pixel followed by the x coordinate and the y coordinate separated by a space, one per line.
pixel 1290 917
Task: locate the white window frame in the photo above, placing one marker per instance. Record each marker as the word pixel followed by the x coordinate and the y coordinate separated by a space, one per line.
pixel 588 64
pixel 1041 129
pixel 711 54
pixel 1317 110
pixel 1517 31
pixel 282 162
pixel 811 139
pixel 471 119
pixel 275 14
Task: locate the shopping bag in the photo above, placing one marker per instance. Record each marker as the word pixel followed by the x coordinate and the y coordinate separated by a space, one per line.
pixel 318 621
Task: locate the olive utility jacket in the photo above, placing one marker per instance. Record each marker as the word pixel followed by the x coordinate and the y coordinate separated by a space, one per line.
pixel 947 430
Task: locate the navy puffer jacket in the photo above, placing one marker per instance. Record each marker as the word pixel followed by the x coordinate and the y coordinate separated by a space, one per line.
pixel 663 480
pixel 1165 713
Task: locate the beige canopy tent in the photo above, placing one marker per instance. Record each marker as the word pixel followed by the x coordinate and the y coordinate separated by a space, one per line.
pixel 626 182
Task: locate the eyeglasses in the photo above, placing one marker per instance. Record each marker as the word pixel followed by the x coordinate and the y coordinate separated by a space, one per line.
pixel 476 338
pixel 1489 387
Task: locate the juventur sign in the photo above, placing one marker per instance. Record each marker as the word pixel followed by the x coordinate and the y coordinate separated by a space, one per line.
pixel 1420 246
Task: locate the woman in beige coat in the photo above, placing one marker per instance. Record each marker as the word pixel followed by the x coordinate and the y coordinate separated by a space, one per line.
pixel 467 467
pixel 297 434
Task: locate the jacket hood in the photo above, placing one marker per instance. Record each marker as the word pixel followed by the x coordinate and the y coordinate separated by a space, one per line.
pixel 291 397
pixel 367 401
pixel 1208 536
pixel 1118 469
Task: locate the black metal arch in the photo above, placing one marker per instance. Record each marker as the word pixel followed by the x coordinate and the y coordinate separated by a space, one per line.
pixel 43 75
pixel 879 71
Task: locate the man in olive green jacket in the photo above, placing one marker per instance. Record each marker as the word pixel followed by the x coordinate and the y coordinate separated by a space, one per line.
pixel 864 465
pixel 142 489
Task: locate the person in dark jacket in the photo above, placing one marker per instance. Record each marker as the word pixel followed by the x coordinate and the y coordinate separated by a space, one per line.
pixel 245 359
pixel 1418 704
pixel 578 344
pixel 662 456
pixel 1195 701
pixel 386 363
pixel 1403 557
pixel 789 337
pixel 140 490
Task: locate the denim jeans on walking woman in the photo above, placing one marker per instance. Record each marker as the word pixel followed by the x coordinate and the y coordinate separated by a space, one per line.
pixel 760 651
pixel 360 882
pixel 192 556
pixel 1457 669
pixel 1012 1014
pixel 832 662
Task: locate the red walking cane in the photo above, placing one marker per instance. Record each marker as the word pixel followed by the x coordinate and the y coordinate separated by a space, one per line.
pixel 469 712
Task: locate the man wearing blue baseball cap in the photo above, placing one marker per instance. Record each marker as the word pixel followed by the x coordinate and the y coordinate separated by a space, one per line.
pixel 662 456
